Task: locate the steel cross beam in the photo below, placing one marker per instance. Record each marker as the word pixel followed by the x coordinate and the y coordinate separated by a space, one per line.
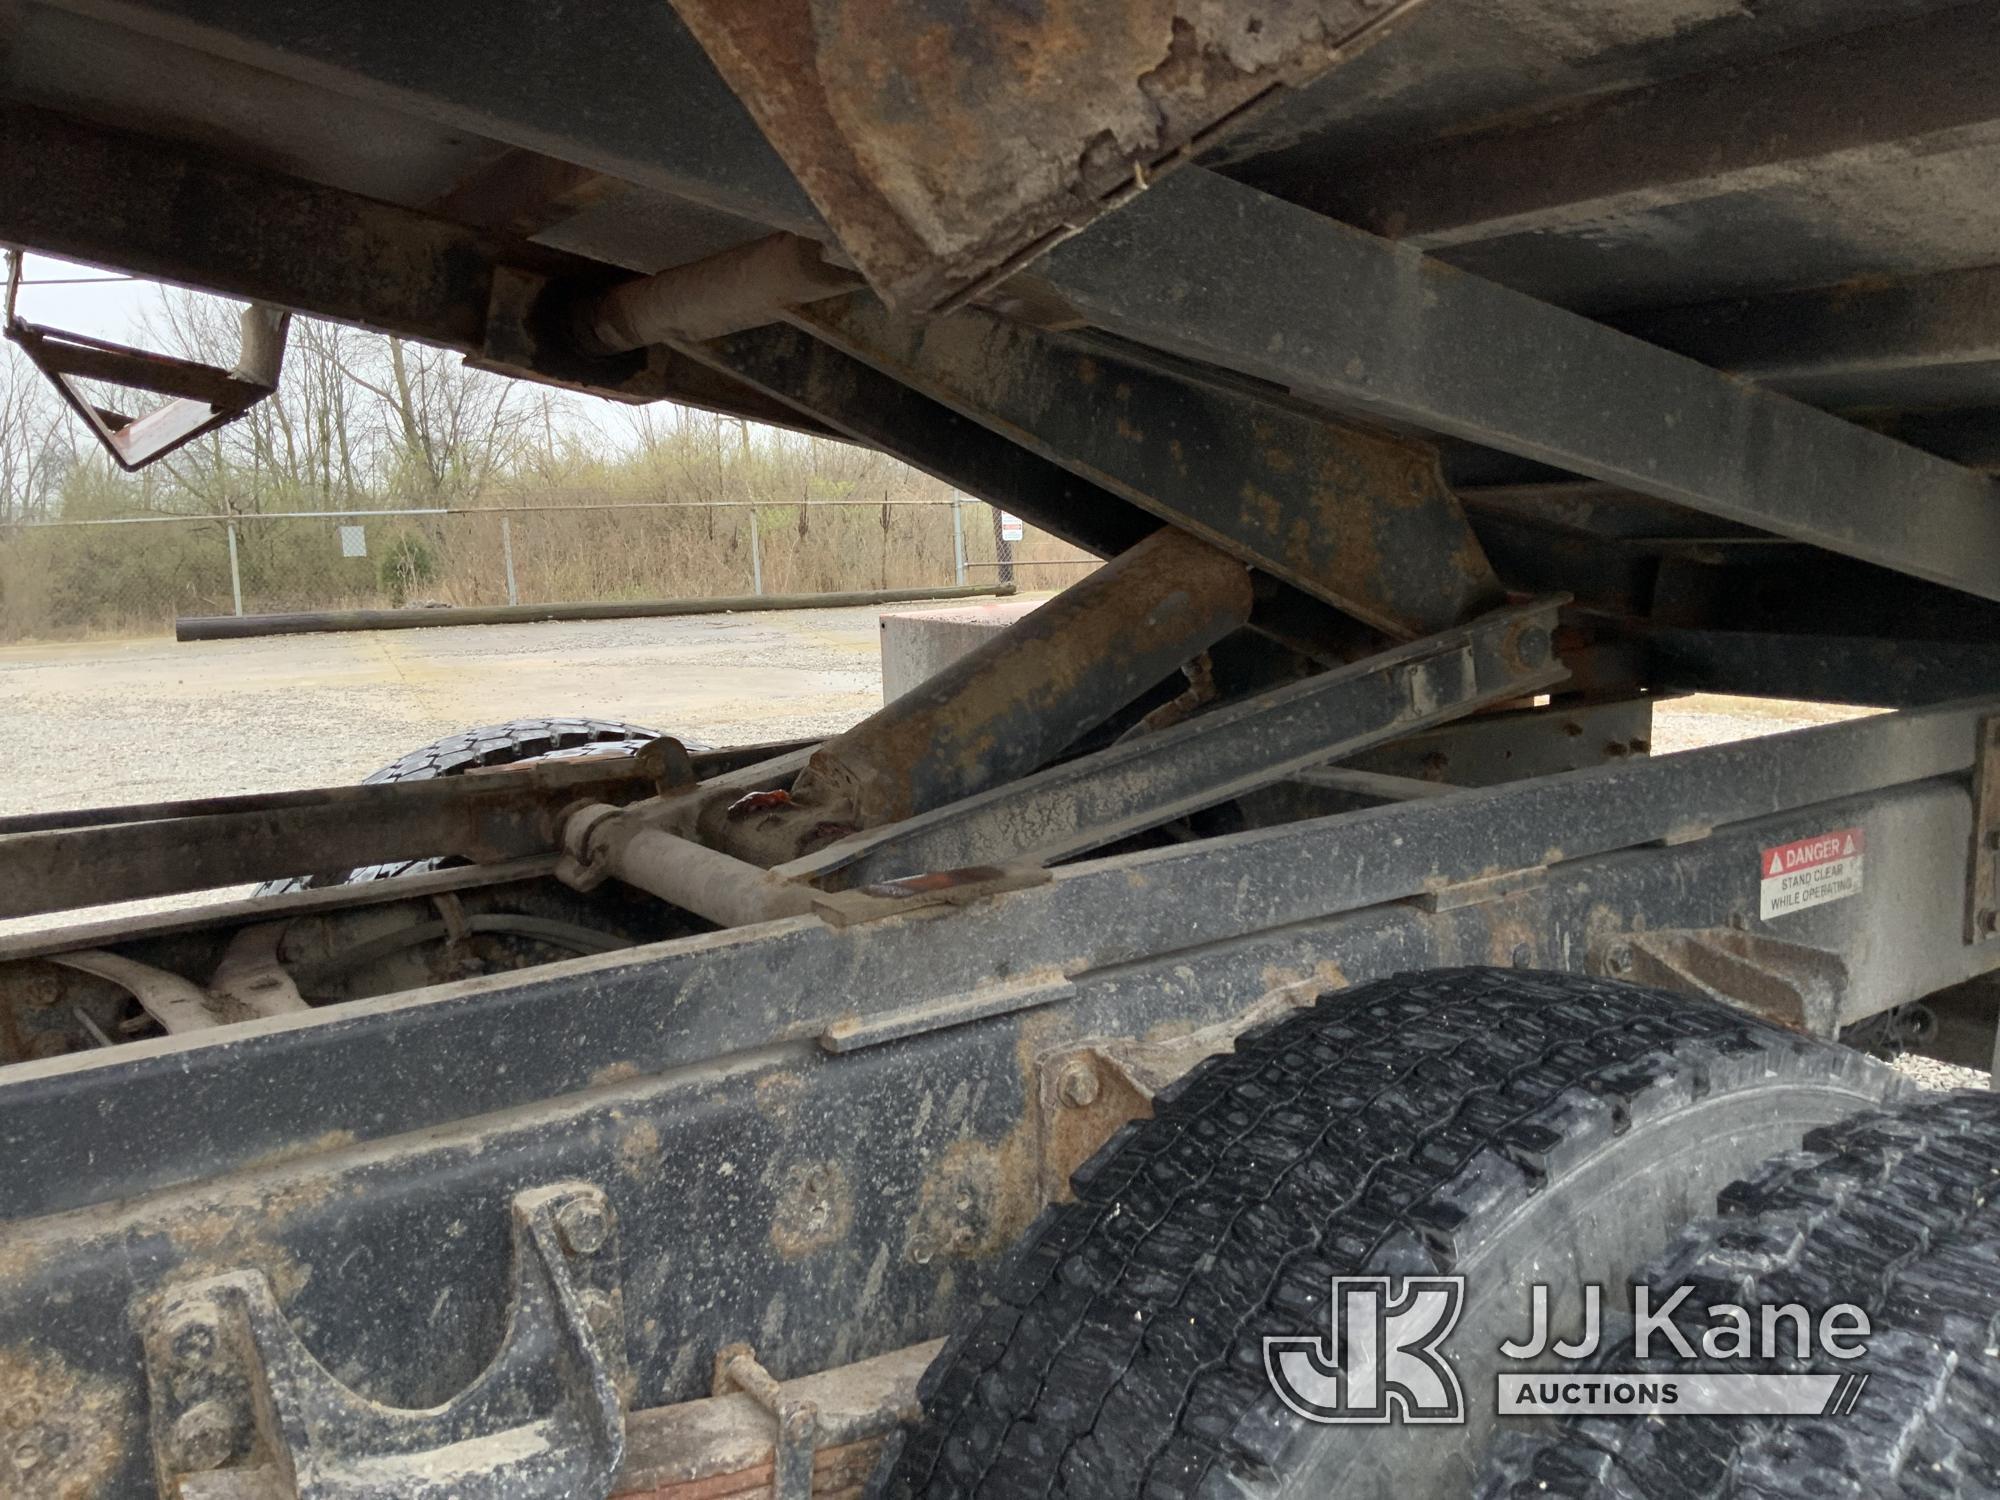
pixel 1870 670
pixel 1831 344
pixel 1216 271
pixel 1867 98
pixel 858 402
pixel 1357 518
pixel 867 407
pixel 1140 783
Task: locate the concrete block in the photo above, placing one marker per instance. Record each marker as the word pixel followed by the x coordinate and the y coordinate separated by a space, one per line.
pixel 917 643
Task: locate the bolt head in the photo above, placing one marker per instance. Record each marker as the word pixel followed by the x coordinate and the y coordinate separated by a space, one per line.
pixel 1078 1086
pixel 584 1225
pixel 1522 956
pixel 204 1437
pixel 193 1338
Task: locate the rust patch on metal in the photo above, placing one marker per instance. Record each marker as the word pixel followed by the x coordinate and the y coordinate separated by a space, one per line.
pixel 988 133
pixel 60 1429
pixel 1086 1093
pixel 1085 1099
pixel 638 1149
pixel 1017 700
pixel 815 1209
pixel 224 1237
pixel 778 1094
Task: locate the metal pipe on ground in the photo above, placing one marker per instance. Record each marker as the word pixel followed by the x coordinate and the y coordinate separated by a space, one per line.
pixel 231 627
pixel 1017 701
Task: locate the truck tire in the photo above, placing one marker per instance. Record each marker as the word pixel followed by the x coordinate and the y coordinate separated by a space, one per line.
pixel 471 749
pixel 1505 1126
pixel 1897 1212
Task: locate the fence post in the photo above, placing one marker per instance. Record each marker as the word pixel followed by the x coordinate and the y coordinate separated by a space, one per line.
pixel 756 555
pixel 958 538
pixel 235 573
pixel 1003 546
pixel 507 554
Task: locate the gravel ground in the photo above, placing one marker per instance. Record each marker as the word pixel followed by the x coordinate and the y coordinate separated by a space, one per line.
pixel 131 721
pixel 138 721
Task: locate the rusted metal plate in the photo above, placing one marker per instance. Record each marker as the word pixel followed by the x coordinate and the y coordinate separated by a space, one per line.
pixel 947 144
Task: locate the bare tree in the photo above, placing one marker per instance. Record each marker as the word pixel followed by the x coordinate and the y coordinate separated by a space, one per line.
pixel 37 443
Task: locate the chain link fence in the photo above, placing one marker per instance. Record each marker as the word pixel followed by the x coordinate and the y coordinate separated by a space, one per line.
pixel 133 575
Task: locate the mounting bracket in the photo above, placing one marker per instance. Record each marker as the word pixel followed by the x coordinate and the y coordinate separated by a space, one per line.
pixel 204 397
pixel 241 1407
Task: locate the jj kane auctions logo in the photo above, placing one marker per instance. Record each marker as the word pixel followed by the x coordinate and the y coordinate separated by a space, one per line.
pixel 1383 1357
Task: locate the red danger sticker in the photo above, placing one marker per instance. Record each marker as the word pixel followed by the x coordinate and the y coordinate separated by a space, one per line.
pixel 1810 872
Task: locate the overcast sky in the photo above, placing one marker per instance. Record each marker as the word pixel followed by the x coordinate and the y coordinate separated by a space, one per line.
pixel 105 309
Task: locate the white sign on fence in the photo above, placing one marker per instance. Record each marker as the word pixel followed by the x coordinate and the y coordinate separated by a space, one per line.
pixel 354 541
pixel 1010 527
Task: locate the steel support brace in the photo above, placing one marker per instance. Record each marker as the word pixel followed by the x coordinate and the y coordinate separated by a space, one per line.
pixel 484 819
pixel 1142 782
pixel 824 386
pixel 1357 518
pixel 1819 668
pixel 868 407
pixel 1010 706
pixel 1212 270
pixel 1019 699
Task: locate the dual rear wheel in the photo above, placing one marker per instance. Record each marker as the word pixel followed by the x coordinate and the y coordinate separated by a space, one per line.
pixel 1512 1129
